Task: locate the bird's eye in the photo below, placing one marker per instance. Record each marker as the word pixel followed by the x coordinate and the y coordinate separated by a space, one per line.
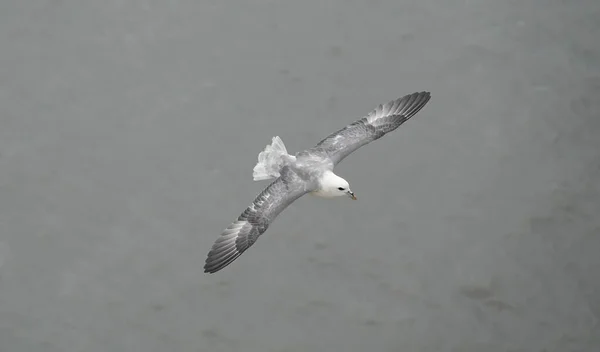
pixel 341 188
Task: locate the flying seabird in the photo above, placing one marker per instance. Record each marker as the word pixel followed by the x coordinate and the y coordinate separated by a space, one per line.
pixel 308 171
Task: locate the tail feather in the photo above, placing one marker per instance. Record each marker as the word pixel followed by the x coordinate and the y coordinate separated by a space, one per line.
pixel 270 160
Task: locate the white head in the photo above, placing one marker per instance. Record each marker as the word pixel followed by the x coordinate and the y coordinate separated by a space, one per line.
pixel 331 185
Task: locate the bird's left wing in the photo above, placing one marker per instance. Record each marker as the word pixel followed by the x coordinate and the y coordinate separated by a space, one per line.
pixel 382 120
pixel 255 220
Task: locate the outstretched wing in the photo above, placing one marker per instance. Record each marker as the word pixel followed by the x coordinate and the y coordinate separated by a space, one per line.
pixel 254 221
pixel 382 120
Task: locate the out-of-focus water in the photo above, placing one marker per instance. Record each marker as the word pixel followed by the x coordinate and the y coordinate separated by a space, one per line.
pixel 128 133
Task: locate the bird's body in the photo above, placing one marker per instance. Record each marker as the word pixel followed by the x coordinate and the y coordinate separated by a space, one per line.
pixel 308 171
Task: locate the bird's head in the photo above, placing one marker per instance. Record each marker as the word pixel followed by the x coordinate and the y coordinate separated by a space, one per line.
pixel 334 186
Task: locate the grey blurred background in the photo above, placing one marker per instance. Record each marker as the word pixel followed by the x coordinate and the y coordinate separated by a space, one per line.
pixel 128 133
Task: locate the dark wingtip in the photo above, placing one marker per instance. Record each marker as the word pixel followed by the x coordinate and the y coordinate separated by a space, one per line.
pixel 216 263
pixel 221 256
pixel 413 103
pixel 208 267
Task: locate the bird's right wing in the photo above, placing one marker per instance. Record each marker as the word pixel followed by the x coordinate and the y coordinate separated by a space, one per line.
pixel 382 120
pixel 255 220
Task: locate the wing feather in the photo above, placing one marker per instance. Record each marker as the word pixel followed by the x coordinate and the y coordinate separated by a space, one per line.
pixel 254 221
pixel 382 120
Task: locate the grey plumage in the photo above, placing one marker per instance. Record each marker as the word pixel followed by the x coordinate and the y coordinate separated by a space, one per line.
pixel 300 176
pixel 255 220
pixel 382 120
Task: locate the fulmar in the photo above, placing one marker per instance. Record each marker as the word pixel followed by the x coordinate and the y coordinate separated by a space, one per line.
pixel 309 171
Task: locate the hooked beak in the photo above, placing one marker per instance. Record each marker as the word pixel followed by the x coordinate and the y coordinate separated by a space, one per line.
pixel 351 195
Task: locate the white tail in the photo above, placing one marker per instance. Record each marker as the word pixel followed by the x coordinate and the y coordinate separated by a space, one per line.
pixel 270 160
